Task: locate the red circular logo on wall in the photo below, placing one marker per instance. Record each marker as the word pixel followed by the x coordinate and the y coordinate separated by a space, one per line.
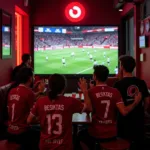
pixel 75 12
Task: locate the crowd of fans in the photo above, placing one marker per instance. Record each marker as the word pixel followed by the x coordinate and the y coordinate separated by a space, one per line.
pixel 89 39
pixel 6 38
pixel 116 111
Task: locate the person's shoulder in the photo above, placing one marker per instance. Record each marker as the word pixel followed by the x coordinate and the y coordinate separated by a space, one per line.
pixel 12 90
pixel 26 90
pixel 43 99
pixel 142 83
pixel 138 80
pixel 16 67
pixel 29 90
pixel 68 100
pixel 93 89
pixel 20 66
pixel 120 82
pixel 112 89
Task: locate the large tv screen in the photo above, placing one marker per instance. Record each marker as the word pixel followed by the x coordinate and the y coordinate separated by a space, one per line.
pixel 74 50
pixel 6 48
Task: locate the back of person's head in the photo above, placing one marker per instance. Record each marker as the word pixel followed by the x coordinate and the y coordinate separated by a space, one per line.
pixel 26 57
pixel 57 84
pixel 24 75
pixel 101 73
pixel 128 63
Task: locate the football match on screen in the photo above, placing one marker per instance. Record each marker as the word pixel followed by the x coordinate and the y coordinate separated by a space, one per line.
pixel 6 41
pixel 75 49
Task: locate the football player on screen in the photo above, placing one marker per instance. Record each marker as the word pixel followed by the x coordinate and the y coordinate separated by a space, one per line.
pixel 95 62
pixel 116 70
pixel 108 61
pixel 91 57
pixel 72 54
pixel 104 54
pixel 63 61
pixel 46 58
pixel 102 63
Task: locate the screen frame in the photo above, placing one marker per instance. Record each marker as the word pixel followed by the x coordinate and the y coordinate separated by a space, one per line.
pixel 145 41
pixel 5 13
pixel 70 75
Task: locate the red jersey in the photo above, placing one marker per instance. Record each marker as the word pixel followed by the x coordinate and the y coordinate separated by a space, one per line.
pixel 104 101
pixel 20 101
pixel 56 121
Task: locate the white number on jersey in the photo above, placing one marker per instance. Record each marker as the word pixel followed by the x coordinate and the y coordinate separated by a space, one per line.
pixel 12 112
pixel 107 102
pixel 58 123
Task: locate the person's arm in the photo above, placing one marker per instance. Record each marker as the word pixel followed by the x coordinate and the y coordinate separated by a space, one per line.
pixel 147 107
pixel 31 99
pixel 31 102
pixel 124 110
pixel 39 86
pixel 147 103
pixel 32 116
pixel 87 102
pixel 145 95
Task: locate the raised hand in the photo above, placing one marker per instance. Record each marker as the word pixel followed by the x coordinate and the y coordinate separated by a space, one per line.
pixel 83 84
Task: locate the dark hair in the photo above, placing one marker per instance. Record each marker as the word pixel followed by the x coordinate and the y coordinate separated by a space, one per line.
pixel 101 72
pixel 24 75
pixel 128 63
pixel 25 57
pixel 57 84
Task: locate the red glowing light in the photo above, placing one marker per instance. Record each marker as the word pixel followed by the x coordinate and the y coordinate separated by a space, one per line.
pixel 75 12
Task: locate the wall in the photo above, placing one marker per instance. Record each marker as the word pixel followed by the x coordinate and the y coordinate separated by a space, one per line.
pixel 126 9
pixel 145 73
pixel 51 12
pixel 142 69
pixel 6 65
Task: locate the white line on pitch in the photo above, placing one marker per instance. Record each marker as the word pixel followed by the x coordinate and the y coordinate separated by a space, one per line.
pixel 84 70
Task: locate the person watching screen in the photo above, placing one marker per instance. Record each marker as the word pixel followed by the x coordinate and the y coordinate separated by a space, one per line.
pixel 131 127
pixel 26 62
pixel 105 101
pixel 55 113
pixel 20 100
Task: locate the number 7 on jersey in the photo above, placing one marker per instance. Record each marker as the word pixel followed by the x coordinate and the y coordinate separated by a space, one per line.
pixel 107 103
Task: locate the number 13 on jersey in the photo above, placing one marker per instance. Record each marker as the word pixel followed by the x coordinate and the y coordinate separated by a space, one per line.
pixel 57 118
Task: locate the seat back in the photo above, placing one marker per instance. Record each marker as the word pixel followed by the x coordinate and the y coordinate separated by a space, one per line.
pixel 3 102
pixel 5 145
pixel 118 144
pixel 3 111
pixel 84 146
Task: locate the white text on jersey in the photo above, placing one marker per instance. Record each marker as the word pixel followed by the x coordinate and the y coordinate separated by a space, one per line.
pixel 104 94
pixel 53 107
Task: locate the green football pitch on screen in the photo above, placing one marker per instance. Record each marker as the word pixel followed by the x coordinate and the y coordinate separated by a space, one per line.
pixel 50 61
